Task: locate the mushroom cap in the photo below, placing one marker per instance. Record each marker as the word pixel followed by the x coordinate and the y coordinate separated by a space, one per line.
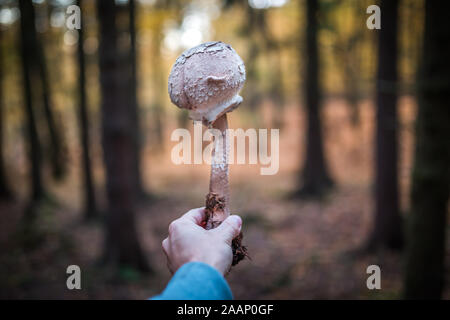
pixel 206 80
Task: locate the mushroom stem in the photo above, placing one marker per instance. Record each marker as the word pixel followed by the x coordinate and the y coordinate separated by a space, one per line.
pixel 218 199
pixel 219 192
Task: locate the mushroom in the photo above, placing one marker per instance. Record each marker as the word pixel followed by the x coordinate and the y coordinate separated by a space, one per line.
pixel 206 81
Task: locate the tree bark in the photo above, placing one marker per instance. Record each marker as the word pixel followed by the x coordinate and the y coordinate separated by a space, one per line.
pixel 315 178
pixel 425 273
pixel 88 190
pixel 122 244
pixel 387 225
pixel 27 29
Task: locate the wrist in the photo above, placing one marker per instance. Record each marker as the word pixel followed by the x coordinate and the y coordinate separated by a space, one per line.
pixel 214 264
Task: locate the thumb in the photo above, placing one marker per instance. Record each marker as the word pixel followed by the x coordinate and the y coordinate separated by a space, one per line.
pixel 230 228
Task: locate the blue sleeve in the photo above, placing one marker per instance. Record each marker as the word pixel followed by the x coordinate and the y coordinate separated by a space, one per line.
pixel 196 281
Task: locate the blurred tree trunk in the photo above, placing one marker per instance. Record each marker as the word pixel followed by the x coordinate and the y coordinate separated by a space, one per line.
pixel 134 107
pixel 255 20
pixel 315 177
pixel 350 59
pixel 27 47
pixel 431 170
pixel 88 190
pixel 388 225
pixel 273 59
pixel 122 244
pixel 159 84
pixel 277 89
pixel 5 190
pixel 57 159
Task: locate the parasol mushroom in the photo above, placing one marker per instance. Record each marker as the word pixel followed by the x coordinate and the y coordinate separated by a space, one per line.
pixel 206 81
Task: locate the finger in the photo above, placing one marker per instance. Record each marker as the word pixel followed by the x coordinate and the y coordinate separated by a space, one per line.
pixel 165 245
pixel 195 215
pixel 229 228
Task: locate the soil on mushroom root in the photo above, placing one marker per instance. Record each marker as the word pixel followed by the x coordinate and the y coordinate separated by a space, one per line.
pixel 215 204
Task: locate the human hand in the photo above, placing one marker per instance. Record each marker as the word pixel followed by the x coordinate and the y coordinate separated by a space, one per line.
pixel 188 241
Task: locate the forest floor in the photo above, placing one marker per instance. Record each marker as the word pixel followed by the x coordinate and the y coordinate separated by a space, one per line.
pixel 300 249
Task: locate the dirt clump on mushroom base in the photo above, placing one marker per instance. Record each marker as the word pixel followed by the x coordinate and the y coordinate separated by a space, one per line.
pixel 215 204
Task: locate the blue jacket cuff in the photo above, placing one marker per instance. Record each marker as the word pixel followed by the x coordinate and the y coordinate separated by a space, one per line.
pixel 196 281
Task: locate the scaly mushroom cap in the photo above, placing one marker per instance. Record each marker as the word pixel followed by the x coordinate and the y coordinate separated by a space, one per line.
pixel 206 80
